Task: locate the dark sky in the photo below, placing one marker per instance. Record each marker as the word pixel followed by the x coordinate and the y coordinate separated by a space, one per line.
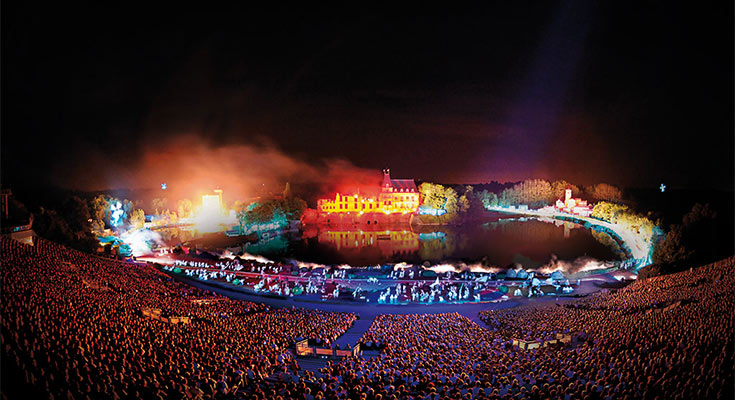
pixel 633 94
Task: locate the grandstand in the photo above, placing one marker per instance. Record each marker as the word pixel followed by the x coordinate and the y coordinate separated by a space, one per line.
pixel 78 326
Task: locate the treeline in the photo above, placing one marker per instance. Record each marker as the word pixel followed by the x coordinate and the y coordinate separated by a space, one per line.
pixel 455 201
pixel 693 242
pixel 77 221
pixel 537 193
pixel 446 198
pixel 624 216
pixel 112 213
pixel 285 208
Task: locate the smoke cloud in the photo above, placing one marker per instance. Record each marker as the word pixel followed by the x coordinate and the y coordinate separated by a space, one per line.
pixel 191 168
pixel 579 264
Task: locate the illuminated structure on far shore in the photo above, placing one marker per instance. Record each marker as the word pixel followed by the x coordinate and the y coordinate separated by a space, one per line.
pixel 574 206
pixel 211 216
pixel 397 196
pixel 212 205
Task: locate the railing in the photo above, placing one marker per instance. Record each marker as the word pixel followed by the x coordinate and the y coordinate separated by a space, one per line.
pixel 561 339
pixel 155 313
pixel 303 349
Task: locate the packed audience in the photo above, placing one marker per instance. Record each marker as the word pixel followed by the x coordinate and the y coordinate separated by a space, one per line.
pixel 71 326
pixel 669 337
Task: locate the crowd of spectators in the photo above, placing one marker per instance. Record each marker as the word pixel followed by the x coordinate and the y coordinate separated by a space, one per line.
pixel 71 326
pixel 669 337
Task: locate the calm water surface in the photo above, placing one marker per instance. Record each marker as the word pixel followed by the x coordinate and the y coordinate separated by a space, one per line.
pixel 497 242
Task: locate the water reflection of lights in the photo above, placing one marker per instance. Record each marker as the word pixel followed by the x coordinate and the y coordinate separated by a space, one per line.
pixel 388 242
pixel 432 235
pixel 640 248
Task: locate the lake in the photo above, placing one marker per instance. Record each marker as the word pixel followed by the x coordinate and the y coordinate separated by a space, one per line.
pixel 496 242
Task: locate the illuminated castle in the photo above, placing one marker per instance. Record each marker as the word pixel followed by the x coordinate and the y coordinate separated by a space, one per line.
pixel 396 196
pixel 573 206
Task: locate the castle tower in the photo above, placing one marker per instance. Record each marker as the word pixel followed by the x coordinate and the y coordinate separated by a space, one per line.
pixel 386 179
pixel 567 195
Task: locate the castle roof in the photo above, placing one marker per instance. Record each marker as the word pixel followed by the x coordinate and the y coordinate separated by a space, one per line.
pixel 399 185
pixel 404 185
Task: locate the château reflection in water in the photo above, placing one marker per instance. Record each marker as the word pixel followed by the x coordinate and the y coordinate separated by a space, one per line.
pixel 531 242
pixel 390 243
pixel 494 242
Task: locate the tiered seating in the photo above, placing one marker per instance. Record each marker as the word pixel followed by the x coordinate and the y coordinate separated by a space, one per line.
pixel 70 338
pixel 72 327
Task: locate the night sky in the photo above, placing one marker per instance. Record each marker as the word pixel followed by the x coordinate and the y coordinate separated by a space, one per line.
pixel 631 94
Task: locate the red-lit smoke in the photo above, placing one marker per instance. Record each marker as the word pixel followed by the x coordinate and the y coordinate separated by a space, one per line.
pixel 190 168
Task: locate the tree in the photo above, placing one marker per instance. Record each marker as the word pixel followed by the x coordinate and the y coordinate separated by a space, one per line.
pixel 432 195
pixel 49 224
pixel 76 212
pixel 97 227
pixel 293 207
pixel 185 208
pixel 261 213
pixel 672 250
pixel 171 217
pixel 159 205
pixel 128 207
pixel 100 208
pixel 604 192
pixel 694 241
pixel 650 271
pixel 450 201
pixel 609 212
pixel 488 198
pixel 698 214
pixel 476 206
pixel 239 206
pixel 137 218
pixel 464 200
pixel 60 227
pixel 439 197
pixel 558 190
pixel 532 192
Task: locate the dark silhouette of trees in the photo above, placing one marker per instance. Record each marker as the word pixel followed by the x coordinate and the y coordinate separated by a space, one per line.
pixel 693 242
pixel 604 192
pixel 532 192
pixel 71 224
